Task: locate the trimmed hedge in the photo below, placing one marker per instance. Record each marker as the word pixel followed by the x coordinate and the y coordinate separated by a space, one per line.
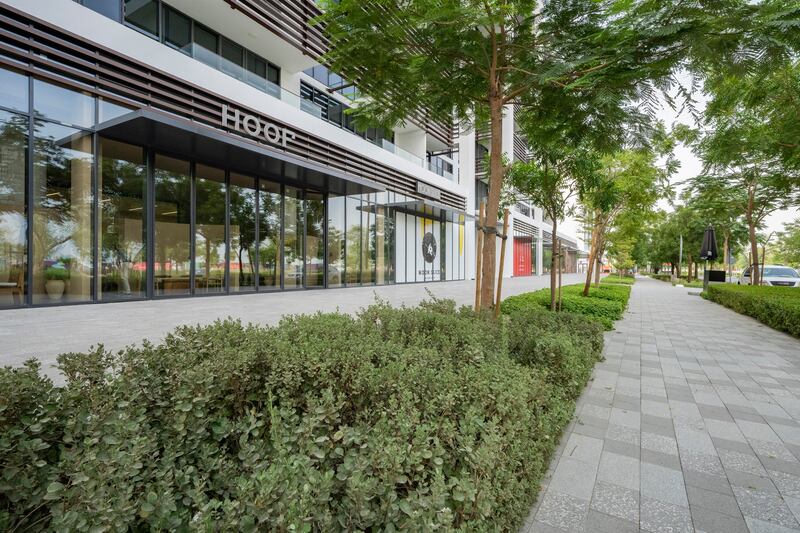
pixel 605 303
pixel 662 277
pixel 613 279
pixel 419 419
pixel 777 307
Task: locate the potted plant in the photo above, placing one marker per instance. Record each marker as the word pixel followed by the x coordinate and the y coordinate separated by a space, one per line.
pixel 56 282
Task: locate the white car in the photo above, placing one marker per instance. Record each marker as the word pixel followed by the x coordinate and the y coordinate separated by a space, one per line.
pixel 774 275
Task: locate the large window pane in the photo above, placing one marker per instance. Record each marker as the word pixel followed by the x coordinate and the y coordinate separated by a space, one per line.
pixel 13 90
pixel 109 8
pixel 209 230
pixel 13 221
pixel 243 233
pixel 269 231
pixel 177 30
pixel 232 59
pixel 206 46
pixel 336 240
pixel 143 14
pixel 62 216
pixel 122 253
pixel 292 238
pixel 382 237
pixel 172 226
pixel 367 241
pixel 353 249
pixel 63 105
pixel 315 240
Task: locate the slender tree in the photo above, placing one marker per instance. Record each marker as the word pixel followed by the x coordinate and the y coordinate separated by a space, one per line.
pixel 472 58
pixel 630 183
pixel 553 181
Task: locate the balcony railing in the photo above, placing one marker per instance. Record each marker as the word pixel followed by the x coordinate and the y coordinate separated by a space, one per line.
pixel 439 171
pixel 521 150
pixel 240 73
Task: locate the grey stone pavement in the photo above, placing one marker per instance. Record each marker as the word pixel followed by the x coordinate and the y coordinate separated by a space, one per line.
pixel 45 332
pixel 692 423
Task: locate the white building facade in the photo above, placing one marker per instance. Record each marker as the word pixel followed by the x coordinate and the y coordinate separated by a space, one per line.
pixel 175 148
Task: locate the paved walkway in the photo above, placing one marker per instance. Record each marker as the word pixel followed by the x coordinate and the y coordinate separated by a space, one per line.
pixel 692 423
pixel 46 332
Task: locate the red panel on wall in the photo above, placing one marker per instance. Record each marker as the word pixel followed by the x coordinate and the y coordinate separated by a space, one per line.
pixel 522 256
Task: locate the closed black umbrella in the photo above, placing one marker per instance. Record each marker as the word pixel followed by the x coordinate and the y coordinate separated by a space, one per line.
pixel 709 249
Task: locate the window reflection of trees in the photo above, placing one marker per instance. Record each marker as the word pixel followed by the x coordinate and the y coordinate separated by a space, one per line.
pixel 13 223
pixel 62 210
pixel 122 238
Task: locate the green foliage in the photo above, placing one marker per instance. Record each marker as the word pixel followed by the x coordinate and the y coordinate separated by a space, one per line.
pixel 662 277
pixel 614 279
pixel 605 304
pixel 414 419
pixel 788 245
pixel 777 307
pixel 54 273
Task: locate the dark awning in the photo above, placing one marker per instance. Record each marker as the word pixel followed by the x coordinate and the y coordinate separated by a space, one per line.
pixel 180 137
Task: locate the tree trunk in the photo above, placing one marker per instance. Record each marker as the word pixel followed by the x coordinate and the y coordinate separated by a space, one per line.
pixel 559 275
pixel 591 264
pixel 553 266
pixel 597 272
pixel 493 205
pixel 688 270
pixel 751 226
pixel 725 253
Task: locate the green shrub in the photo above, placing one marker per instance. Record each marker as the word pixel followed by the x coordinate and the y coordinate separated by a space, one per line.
pixel 605 303
pixel 418 419
pixel 777 307
pixel 564 345
pixel 662 277
pixel 617 280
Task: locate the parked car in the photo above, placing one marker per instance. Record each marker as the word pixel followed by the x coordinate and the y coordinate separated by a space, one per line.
pixel 775 275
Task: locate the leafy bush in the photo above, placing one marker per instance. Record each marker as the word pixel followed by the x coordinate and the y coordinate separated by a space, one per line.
pixel 618 280
pixel 605 303
pixel 777 307
pixel 419 419
pixel 662 277
pixel 564 345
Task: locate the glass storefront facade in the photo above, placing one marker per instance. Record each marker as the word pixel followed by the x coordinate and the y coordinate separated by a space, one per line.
pixel 86 218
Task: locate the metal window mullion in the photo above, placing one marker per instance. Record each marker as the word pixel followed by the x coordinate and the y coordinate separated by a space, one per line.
pixel 192 225
pixel 96 214
pixel 27 297
pixel 325 197
pixel 226 281
pixel 257 248
pixel 283 230
pixel 150 217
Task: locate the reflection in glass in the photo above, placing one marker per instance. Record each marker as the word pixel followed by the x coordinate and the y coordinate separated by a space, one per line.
pixel 13 222
pixel 380 248
pixel 177 30
pixel 172 226
pixel 13 90
pixel 63 105
pixel 109 110
pixel 367 240
pixel 243 233
pixel 353 248
pixel 121 241
pixel 336 240
pixel 292 238
pixel 315 240
pixel 143 14
pixel 269 231
pixel 62 214
pixel 209 230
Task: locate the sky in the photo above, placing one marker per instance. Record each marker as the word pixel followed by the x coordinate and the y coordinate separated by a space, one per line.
pixel 691 165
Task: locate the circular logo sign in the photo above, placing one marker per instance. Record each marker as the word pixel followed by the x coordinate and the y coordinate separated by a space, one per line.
pixel 429 247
